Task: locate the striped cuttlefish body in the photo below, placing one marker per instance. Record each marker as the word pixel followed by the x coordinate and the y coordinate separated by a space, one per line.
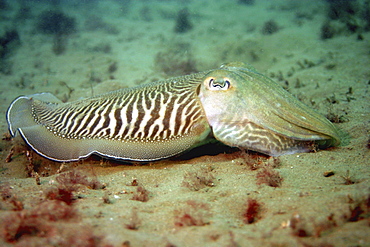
pixel 233 104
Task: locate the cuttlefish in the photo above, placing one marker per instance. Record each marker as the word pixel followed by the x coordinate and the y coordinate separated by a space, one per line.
pixel 232 104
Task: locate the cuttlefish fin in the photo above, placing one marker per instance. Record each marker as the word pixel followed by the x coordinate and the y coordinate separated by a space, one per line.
pixel 21 120
pixel 19 113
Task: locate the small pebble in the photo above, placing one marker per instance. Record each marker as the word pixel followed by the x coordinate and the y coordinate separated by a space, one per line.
pixel 328 174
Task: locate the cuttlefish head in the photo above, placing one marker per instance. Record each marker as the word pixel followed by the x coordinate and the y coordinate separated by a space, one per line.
pixel 248 110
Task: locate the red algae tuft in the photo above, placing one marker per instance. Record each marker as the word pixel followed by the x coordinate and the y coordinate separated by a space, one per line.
pixel 193 214
pixel 253 211
pixel 270 177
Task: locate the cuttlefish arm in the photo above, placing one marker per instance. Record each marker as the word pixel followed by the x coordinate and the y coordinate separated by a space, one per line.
pixel 249 110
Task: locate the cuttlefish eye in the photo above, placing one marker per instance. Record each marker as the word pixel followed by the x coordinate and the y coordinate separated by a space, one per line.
pixel 218 83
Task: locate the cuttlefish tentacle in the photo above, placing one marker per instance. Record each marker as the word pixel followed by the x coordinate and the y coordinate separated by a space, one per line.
pixel 233 104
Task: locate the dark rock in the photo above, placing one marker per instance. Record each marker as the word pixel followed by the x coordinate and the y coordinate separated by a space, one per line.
pixel 327 31
pixel 56 23
pixel 8 41
pixel 341 9
pixel 183 23
pixel 270 27
pixel 3 5
pixel 246 2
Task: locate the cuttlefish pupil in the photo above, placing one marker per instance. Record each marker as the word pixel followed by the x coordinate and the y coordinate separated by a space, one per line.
pixel 219 84
pixel 233 104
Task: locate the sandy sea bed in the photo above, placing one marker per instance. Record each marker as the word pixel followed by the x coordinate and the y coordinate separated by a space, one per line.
pixel 212 196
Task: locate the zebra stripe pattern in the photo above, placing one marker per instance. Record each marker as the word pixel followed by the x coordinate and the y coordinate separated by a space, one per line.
pixel 158 112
